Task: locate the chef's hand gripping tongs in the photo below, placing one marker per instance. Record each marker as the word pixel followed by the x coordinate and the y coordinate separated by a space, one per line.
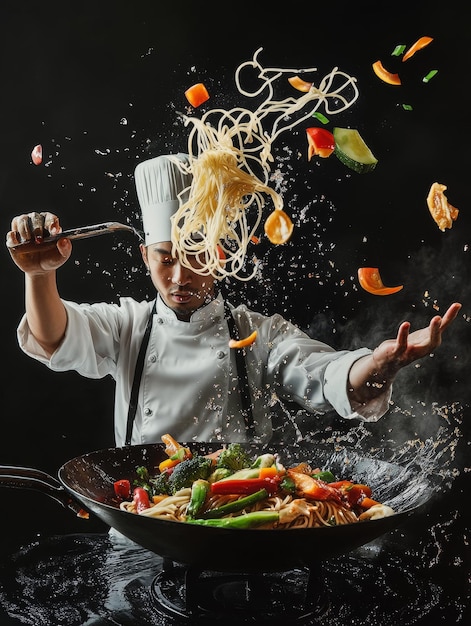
pixel 83 232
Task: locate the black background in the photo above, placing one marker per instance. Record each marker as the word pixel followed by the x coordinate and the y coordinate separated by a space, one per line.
pixel 99 84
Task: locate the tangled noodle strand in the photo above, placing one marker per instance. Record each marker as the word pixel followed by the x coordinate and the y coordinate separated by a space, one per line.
pixel 230 153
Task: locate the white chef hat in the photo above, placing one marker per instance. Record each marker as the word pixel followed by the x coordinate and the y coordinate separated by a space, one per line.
pixel 159 181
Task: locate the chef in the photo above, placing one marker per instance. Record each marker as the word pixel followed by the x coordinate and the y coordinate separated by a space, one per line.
pixel 170 357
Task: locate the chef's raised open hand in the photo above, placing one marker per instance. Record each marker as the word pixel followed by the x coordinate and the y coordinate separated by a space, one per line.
pixel 393 354
pixel 37 258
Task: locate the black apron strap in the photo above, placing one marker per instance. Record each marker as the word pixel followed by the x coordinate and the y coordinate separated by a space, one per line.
pixel 241 373
pixel 136 383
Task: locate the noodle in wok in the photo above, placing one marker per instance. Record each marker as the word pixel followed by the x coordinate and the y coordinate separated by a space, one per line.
pixel 311 515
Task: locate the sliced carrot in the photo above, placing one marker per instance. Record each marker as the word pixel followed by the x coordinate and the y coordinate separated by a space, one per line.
pixel 268 472
pixel 171 445
pixel 370 279
pixel 158 498
pixel 386 76
pixel 197 94
pixel 243 343
pixel 278 227
pixel 418 45
pixel 254 239
pixel 299 84
pixel 367 503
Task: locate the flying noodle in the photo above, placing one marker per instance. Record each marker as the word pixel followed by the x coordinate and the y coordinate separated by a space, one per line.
pixel 230 156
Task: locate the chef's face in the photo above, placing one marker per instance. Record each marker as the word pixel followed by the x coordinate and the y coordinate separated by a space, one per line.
pixel 182 290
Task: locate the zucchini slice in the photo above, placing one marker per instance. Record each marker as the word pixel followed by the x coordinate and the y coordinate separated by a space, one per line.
pixel 352 151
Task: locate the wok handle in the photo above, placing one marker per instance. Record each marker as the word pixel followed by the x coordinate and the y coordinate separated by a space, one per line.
pixel 29 478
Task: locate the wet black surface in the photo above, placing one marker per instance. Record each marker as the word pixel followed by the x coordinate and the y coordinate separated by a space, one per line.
pixel 87 579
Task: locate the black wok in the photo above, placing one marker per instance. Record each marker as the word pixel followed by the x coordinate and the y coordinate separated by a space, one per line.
pixel 87 482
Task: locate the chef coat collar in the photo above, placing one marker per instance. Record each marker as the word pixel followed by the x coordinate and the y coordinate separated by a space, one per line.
pixel 205 314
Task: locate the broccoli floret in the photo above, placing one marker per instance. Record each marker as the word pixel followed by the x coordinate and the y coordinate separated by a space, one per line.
pixel 234 458
pixel 160 484
pixel 185 473
pixel 153 485
pixel 219 473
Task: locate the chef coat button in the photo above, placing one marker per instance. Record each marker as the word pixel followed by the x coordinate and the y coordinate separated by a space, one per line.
pixel 147 412
pixel 152 358
pixel 220 354
pixel 160 320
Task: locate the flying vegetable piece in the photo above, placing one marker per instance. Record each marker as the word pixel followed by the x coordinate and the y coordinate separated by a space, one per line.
pixel 243 343
pixel 418 45
pixel 299 84
pixel 197 95
pixel 352 150
pixel 278 227
pixel 370 279
pixel 321 142
pixel 37 154
pixel 440 209
pixel 385 75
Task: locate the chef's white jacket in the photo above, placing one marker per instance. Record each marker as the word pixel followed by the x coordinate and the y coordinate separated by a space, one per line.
pixel 189 385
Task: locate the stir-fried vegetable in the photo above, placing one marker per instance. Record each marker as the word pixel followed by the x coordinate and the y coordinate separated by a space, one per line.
pixel 249 520
pixel 428 77
pixel 199 492
pixel 250 493
pixel 385 75
pixel 278 227
pixel 197 95
pixel 245 485
pixel 418 45
pixel 321 142
pixel 299 84
pixel 141 499
pixel 371 281
pixel 37 154
pixel 243 343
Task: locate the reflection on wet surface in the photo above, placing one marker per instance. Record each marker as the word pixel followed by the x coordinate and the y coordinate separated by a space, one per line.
pixel 80 580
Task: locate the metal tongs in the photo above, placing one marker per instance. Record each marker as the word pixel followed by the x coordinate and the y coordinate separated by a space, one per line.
pixel 83 232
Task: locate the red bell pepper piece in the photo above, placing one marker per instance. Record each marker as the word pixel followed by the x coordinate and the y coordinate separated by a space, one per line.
pixel 141 499
pixel 308 487
pixel 245 486
pixel 122 488
pixel 353 493
pixel 321 142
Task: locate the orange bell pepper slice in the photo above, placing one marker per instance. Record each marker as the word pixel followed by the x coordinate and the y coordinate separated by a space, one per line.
pixel 386 76
pixel 197 94
pixel 370 279
pixel 268 472
pixel 243 343
pixel 299 84
pixel 418 45
pixel 278 227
